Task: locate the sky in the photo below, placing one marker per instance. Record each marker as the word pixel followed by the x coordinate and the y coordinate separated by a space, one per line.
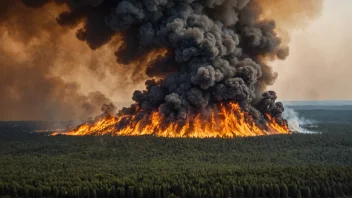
pixel 319 66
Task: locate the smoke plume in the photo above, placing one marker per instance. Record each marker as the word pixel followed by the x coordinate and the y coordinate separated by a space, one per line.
pixel 295 122
pixel 217 47
pixel 197 54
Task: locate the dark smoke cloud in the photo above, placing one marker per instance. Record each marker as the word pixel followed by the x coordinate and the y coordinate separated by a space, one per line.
pixel 216 49
pixel 218 55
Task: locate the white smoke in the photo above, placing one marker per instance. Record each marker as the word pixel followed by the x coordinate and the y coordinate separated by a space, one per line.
pixel 295 122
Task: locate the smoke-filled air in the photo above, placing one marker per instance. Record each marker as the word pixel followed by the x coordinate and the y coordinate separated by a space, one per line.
pixel 206 63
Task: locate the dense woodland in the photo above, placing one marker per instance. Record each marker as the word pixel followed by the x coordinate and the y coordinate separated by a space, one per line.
pixel 298 165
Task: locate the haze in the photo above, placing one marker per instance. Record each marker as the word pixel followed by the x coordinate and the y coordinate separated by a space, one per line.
pixel 319 66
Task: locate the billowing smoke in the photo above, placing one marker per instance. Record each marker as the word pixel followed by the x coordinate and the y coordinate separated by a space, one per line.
pixel 218 46
pixel 295 122
pixel 217 51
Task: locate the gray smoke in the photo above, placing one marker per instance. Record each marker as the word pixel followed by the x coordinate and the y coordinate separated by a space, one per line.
pixel 217 49
pixel 217 46
pixel 296 122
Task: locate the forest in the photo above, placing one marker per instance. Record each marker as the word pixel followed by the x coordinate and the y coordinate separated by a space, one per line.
pixel 280 166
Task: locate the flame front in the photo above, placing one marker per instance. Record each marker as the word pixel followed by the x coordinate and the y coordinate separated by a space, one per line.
pixel 227 121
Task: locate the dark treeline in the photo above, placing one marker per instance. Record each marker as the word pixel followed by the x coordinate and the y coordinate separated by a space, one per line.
pixel 295 166
pixel 329 182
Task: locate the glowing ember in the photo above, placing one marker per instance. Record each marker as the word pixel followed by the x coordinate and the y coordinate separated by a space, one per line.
pixel 227 121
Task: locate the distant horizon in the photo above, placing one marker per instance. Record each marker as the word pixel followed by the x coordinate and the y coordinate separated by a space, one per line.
pixel 315 100
pixel 318 102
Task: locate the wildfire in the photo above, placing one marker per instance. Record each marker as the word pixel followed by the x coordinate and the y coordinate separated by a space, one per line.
pixel 227 121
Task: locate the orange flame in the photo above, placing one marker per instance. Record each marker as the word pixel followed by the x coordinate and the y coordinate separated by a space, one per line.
pixel 227 121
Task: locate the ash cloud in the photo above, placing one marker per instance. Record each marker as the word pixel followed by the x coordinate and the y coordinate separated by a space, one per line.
pixel 218 55
pixel 216 50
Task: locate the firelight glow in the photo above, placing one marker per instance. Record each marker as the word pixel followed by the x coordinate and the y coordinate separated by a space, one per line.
pixel 227 121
